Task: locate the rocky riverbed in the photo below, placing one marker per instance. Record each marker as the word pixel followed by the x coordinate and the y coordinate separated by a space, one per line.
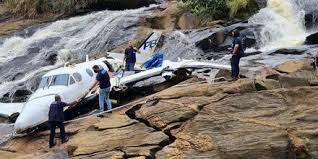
pixel 272 116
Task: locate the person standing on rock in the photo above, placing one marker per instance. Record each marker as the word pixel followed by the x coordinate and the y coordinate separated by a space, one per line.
pixel 130 58
pixel 237 53
pixel 56 119
pixel 103 80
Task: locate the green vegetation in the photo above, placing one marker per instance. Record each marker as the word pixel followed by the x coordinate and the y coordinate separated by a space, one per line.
pixel 218 9
pixel 32 8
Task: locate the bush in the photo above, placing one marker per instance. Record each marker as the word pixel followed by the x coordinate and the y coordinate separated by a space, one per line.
pixel 207 9
pixel 33 8
pixel 218 9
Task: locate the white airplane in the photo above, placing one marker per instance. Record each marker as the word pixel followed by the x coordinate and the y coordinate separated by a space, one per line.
pixel 72 81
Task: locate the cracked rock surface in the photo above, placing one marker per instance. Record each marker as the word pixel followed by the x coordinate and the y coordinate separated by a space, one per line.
pixel 259 118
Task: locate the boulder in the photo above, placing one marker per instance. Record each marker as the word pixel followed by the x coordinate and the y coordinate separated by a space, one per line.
pixel 208 39
pixel 218 39
pixel 267 84
pixel 249 41
pixel 312 39
pixel 290 82
pixel 264 125
pixel 293 66
pixel 188 21
pixel 261 3
pixel 172 18
pixel 311 20
pixel 289 51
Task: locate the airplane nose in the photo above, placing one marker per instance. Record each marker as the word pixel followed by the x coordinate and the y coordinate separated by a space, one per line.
pixel 34 113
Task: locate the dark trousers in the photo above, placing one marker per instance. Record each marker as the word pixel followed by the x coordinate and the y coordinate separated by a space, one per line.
pixel 235 62
pixel 129 66
pixel 53 125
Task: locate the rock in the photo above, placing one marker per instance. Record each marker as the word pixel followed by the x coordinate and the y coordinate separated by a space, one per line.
pixel 294 51
pixel 293 66
pixel 312 39
pixel 271 117
pixel 261 3
pixel 250 125
pixel 249 41
pixel 208 39
pixel 188 21
pixel 311 20
pixel 21 95
pixel 290 82
pixel 267 84
pixel 219 39
pixel 172 18
pixel 224 74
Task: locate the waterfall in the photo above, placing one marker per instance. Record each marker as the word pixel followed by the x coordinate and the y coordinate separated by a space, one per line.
pixel 283 24
pixel 24 58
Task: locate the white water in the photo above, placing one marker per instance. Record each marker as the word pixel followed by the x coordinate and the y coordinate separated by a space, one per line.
pixel 69 39
pixel 283 22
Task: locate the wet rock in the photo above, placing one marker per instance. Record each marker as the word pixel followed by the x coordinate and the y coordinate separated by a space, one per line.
pixel 208 39
pixel 51 57
pixel 261 3
pixel 18 76
pixel 249 41
pixel 252 53
pixel 312 39
pixel 21 95
pixel 294 51
pixel 311 20
pixel 219 39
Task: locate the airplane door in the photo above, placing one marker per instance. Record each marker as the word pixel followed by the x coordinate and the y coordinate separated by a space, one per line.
pixel 75 86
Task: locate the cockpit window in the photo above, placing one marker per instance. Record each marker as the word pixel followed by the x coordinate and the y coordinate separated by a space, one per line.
pixel 60 80
pixel 90 72
pixel 72 81
pixel 77 77
pixel 45 81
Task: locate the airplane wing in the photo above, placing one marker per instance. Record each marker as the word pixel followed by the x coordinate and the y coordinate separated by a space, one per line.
pixel 141 75
pixel 191 64
pixel 8 109
pixel 199 65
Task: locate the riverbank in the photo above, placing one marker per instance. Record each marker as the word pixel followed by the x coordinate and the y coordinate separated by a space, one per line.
pixel 270 116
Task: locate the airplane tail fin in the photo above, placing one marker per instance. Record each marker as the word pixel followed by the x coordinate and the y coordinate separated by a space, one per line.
pixel 148 46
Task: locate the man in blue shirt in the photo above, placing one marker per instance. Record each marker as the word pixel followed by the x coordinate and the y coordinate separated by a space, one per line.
pixel 56 119
pixel 130 58
pixel 103 80
pixel 237 53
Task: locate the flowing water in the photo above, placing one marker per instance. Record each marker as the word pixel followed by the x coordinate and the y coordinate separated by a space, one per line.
pixel 24 58
pixel 283 24
pixel 27 55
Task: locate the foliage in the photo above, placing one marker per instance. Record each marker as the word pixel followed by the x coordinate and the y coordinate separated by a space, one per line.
pixel 207 9
pixel 32 8
pixel 218 9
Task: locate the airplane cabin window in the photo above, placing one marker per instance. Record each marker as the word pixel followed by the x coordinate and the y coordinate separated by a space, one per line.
pixel 60 80
pixel 90 72
pixel 77 77
pixel 45 81
pixel 72 81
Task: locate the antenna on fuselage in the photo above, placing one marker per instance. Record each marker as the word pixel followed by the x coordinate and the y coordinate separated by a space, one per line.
pixel 87 58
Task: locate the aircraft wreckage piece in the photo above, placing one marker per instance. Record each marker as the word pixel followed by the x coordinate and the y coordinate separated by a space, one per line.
pixel 72 82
